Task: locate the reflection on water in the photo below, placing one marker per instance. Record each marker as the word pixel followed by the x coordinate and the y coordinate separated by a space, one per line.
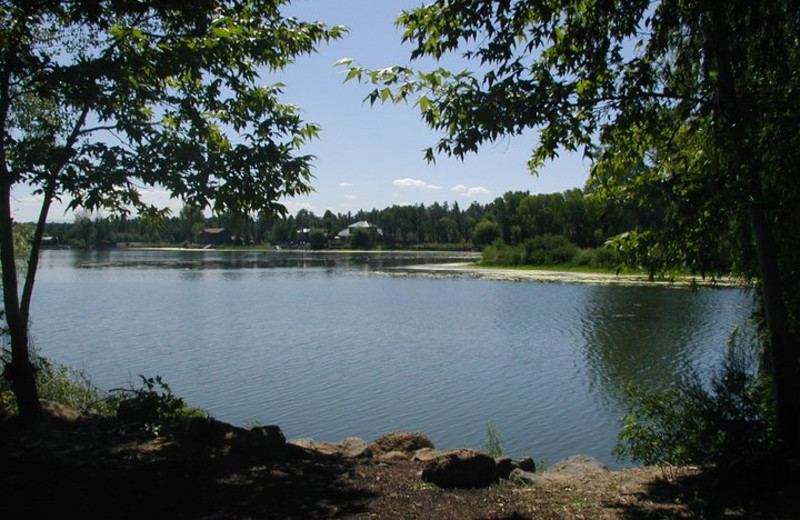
pixel 650 336
pixel 317 344
pixel 243 259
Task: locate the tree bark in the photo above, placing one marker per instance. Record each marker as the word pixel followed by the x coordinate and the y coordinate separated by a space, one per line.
pixel 20 371
pixel 782 349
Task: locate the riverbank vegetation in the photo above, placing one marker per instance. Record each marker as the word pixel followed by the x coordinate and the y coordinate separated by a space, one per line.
pixel 575 228
pixel 685 108
pixel 687 111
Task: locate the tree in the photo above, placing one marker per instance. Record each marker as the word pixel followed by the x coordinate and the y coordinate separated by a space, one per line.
pixel 485 232
pixel 688 103
pixel 100 98
pixel 361 239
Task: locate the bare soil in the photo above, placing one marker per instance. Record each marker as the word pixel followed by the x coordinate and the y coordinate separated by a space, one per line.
pixel 95 468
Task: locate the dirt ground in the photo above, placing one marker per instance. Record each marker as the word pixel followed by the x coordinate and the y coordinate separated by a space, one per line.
pixel 95 468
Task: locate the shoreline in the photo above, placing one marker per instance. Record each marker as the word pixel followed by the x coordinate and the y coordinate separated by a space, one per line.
pixel 472 270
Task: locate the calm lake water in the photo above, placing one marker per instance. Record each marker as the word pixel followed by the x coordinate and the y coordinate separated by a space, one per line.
pixel 330 346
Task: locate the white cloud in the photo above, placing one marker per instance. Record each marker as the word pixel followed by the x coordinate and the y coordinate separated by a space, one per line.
pixel 345 184
pixel 415 183
pixel 350 197
pixel 474 192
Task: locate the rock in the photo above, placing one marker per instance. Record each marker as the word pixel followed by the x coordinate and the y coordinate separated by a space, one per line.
pixel 504 467
pixel 60 412
pixel 307 443
pixel 526 478
pixel 577 465
pixel 350 448
pixel 393 456
pixel 462 468
pixel 138 410
pixel 206 431
pixel 266 442
pixel 426 454
pixel 526 464
pixel 355 448
pixel 406 442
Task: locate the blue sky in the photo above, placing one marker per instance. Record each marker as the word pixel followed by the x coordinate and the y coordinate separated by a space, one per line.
pixel 371 156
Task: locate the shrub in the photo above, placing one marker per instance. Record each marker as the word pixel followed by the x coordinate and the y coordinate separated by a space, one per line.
pixel 485 232
pixel 153 405
pixel 57 383
pixel 728 422
pixel 316 239
pixel 494 441
pixel 361 239
pixel 549 250
pixel 500 253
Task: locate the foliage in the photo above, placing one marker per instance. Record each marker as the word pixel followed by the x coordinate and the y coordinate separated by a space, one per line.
pixel 728 422
pixel 316 239
pixel 549 250
pixel 686 109
pixel 493 445
pixel 153 405
pixel 60 384
pixel 361 239
pixel 485 232
pixel 101 99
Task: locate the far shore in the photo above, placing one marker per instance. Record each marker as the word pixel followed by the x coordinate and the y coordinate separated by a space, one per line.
pixel 473 269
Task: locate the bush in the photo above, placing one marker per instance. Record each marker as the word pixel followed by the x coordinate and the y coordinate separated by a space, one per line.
pixel 544 250
pixel 493 445
pixel 316 239
pixel 153 406
pixel 500 253
pixel 361 239
pixel 549 250
pixel 728 422
pixel 60 384
pixel 485 232
pixel 598 258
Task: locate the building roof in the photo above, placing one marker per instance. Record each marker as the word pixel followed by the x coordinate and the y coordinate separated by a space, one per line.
pixel 361 224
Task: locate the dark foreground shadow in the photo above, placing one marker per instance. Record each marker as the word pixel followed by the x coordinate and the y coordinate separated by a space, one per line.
pixel 768 491
pixel 95 471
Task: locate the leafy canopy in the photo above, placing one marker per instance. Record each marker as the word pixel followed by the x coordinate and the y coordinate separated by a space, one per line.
pixel 100 98
pixel 636 86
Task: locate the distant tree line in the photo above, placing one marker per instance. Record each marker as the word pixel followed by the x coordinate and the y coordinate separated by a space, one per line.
pixel 511 227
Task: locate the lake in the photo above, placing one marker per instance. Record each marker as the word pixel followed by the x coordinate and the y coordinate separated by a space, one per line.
pixel 334 345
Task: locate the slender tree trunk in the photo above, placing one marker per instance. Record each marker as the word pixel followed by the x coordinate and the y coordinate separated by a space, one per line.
pixel 782 349
pixel 20 371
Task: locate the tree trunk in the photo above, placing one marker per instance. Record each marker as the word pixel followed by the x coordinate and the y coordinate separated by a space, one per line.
pixel 782 349
pixel 20 371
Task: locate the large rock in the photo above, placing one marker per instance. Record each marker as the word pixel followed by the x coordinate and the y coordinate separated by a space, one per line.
pixel 527 478
pixel 59 411
pixel 406 442
pixel 350 448
pixel 265 442
pixel 355 448
pixel 577 465
pixel 462 468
